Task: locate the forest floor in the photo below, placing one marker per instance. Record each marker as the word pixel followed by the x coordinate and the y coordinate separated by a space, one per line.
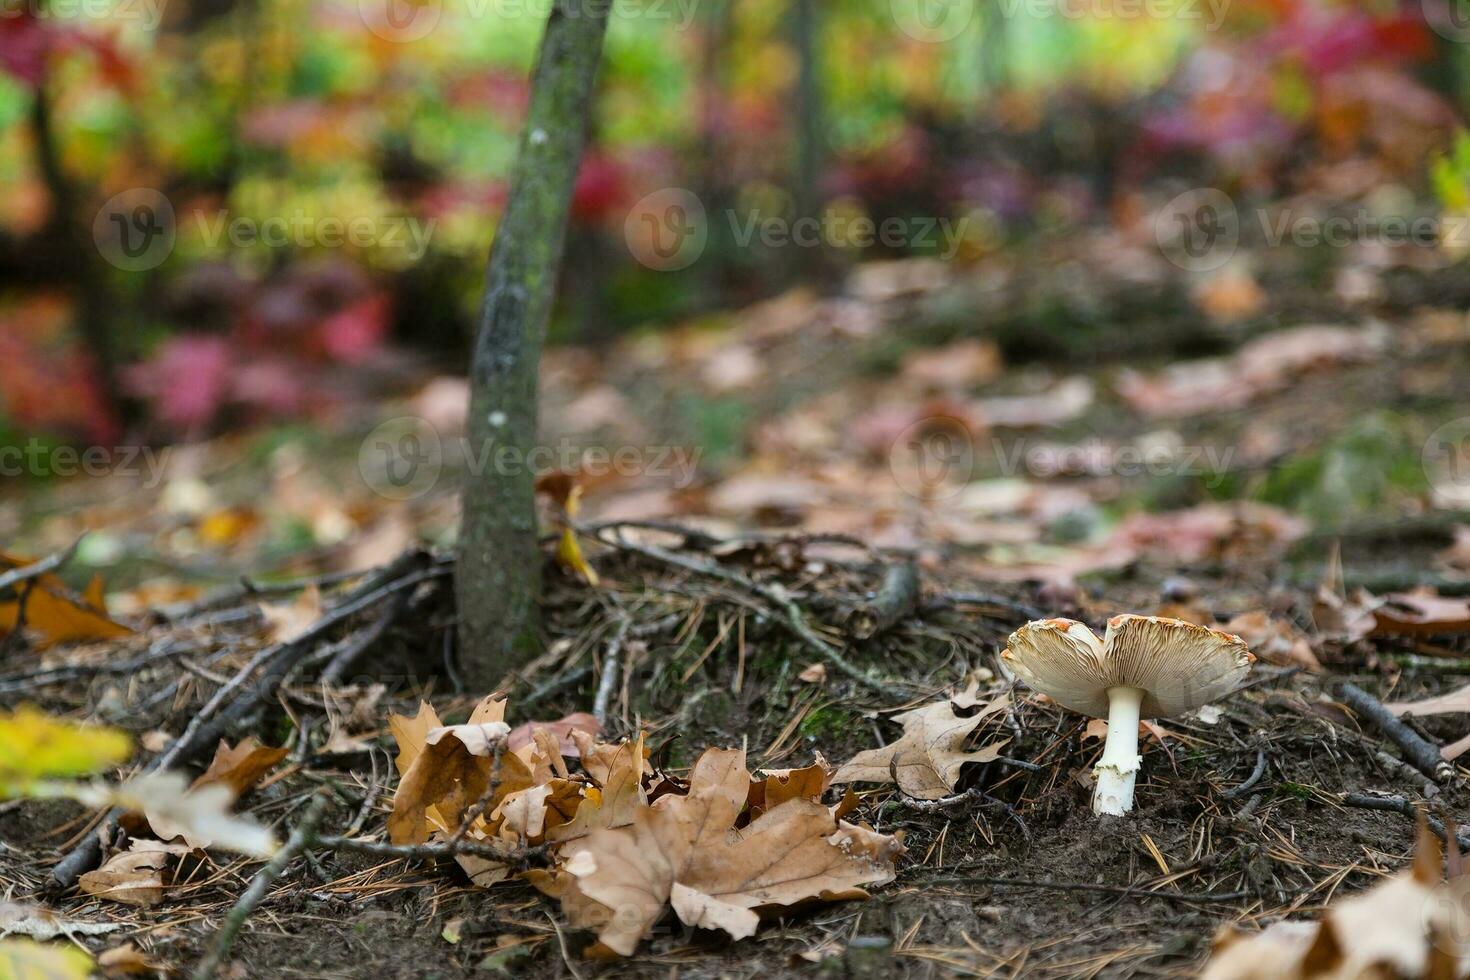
pixel 807 412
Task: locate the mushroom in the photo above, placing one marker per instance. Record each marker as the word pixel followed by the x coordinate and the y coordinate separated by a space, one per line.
pixel 1143 667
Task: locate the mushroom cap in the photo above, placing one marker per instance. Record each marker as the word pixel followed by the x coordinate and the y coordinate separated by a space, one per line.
pixel 1179 666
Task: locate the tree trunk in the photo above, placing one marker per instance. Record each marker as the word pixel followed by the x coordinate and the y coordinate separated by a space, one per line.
pixel 808 195
pixel 499 574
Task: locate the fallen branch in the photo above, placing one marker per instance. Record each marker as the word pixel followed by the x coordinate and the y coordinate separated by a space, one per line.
pixel 38 568
pixel 300 838
pixel 218 719
pixel 609 677
pixel 1419 753
pixel 1399 805
pixel 1251 780
pixel 897 598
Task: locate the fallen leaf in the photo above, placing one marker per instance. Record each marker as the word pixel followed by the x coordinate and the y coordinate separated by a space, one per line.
pixel 241 767
pixel 813 674
pixel 53 613
pixel 287 622
pixel 1274 640
pixel 35 746
pixel 134 876
pixel 686 851
pixel 563 728
pixel 200 817
pixel 126 961
pixel 566 492
pixel 39 923
pixel 444 769
pixel 1421 611
pixel 928 757
pixel 25 958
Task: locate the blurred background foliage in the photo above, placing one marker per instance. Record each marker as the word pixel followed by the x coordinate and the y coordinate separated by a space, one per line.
pixel 1036 119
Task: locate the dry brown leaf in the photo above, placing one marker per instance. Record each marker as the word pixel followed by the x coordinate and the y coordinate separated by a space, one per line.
pixel 1421 611
pixel 449 775
pixel 287 622
pixel 241 767
pixel 957 366
pixel 1449 703
pixel 579 721
pixel 134 876
pixel 928 757
pixel 685 850
pixel 53 614
pixel 780 785
pixel 618 795
pixel 127 961
pixel 1273 640
pixel 1412 924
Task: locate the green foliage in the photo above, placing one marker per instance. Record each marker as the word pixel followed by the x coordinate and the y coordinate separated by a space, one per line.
pixel 1450 174
pixel 1363 469
pixel 35 747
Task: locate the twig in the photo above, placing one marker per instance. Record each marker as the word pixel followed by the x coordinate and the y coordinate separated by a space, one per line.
pixel 255 894
pixel 348 657
pixel 1399 805
pixel 1251 780
pixel 775 595
pixel 38 568
pixel 430 852
pixel 896 599
pixel 1419 753
pixel 203 732
pixel 609 677
pixel 556 684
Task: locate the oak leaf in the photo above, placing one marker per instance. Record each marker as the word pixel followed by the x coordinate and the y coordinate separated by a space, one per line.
pixel 241 767
pixel 927 759
pixel 686 851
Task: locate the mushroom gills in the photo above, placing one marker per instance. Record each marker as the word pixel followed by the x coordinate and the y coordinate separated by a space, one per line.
pixel 1118 767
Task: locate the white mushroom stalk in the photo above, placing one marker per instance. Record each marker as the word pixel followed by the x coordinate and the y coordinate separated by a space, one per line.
pixel 1143 667
pixel 1118 768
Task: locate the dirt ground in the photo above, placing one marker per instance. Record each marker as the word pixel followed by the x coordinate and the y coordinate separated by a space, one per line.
pixel 1240 814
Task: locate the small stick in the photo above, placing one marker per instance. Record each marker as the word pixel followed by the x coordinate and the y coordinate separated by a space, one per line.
pixel 300 838
pixel 440 851
pixel 609 677
pixel 1020 609
pixel 897 598
pixel 1419 753
pixel 1251 780
pixel 38 568
pixel 1397 804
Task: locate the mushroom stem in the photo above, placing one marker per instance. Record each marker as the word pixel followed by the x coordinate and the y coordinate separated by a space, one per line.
pixel 1118 766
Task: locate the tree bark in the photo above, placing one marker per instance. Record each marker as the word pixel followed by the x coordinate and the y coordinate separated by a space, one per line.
pixel 499 575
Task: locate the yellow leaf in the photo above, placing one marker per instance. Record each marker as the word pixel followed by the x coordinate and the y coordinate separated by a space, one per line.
pixel 34 746
pixel 25 959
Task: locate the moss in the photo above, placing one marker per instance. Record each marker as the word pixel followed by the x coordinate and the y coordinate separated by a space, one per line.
pixel 828 722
